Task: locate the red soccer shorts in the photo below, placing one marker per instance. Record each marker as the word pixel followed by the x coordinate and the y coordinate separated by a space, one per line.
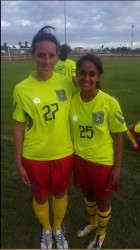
pixel 94 176
pixel 49 176
pixel 132 127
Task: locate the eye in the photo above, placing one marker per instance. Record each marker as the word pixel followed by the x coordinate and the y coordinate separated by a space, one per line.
pixel 81 73
pixel 52 55
pixel 92 73
pixel 41 55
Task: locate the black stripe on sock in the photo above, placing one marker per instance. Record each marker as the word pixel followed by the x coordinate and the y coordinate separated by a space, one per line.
pixel 104 216
pixel 92 214
pixel 101 226
pixel 91 206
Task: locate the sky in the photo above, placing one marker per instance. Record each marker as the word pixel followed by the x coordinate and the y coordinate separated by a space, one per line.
pixel 89 24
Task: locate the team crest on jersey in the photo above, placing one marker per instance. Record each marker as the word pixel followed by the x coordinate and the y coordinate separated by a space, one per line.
pixel 98 118
pixel 61 95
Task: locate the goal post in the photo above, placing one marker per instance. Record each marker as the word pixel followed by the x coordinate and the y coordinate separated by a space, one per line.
pixel 19 54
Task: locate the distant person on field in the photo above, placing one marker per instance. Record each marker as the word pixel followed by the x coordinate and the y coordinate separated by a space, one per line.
pixel 42 139
pixel 65 66
pixel 133 134
pixel 97 124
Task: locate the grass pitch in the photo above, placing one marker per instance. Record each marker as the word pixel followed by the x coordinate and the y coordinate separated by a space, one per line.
pixel 20 228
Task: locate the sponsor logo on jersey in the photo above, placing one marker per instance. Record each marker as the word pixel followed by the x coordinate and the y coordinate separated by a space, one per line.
pixel 98 118
pixel 36 100
pixel 61 95
pixel 74 118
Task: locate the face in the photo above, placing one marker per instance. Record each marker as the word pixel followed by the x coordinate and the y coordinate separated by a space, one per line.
pixel 88 75
pixel 45 57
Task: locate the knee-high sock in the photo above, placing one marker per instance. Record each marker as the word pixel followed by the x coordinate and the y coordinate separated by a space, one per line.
pixel 42 213
pixel 92 211
pixel 131 137
pixel 103 218
pixel 59 210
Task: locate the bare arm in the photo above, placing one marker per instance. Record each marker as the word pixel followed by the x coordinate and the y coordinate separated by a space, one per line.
pixel 118 149
pixel 19 128
pixel 74 79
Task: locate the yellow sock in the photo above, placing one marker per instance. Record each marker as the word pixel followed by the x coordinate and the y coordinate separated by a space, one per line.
pixel 42 213
pixel 92 211
pixel 131 137
pixel 103 218
pixel 59 210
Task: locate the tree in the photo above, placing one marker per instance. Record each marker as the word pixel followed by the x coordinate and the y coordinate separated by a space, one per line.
pixel 26 44
pixel 4 46
pixel 20 44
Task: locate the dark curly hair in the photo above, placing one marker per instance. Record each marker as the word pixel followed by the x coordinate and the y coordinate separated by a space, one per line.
pixel 45 35
pixel 64 51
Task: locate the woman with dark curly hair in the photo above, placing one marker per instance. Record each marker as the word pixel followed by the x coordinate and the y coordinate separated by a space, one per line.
pixel 43 146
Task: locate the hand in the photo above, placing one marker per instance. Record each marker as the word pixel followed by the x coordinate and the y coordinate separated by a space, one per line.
pixel 114 176
pixel 23 176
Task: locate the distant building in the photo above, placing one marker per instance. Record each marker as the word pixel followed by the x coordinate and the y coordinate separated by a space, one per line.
pixel 98 51
pixel 79 50
pixel 3 52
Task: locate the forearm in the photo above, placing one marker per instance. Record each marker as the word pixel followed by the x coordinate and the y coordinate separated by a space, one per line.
pixel 19 128
pixel 118 148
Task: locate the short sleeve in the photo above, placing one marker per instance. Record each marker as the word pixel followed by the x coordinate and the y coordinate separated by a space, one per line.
pixel 18 112
pixel 73 69
pixel 115 118
pixel 137 127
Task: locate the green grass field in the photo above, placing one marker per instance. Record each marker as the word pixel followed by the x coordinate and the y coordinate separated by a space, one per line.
pixel 20 228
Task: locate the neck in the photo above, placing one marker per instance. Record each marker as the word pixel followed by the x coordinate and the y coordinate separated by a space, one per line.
pixel 87 96
pixel 41 77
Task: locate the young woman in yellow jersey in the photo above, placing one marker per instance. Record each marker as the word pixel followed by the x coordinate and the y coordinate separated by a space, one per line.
pixel 97 125
pixel 64 65
pixel 42 140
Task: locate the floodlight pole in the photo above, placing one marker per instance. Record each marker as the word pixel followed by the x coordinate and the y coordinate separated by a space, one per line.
pixel 132 37
pixel 65 17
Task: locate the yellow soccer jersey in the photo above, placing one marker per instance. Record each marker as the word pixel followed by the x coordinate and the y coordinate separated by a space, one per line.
pixel 67 68
pixel 44 107
pixel 137 127
pixel 92 124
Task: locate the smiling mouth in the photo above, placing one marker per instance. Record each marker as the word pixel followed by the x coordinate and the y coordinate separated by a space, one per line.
pixel 45 68
pixel 85 84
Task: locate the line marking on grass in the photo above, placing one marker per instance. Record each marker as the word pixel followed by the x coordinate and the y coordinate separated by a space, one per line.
pixel 12 175
pixel 7 138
